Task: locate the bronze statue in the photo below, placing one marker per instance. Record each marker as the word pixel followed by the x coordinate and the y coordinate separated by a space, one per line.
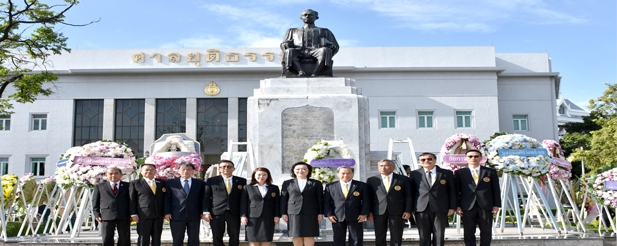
pixel 308 50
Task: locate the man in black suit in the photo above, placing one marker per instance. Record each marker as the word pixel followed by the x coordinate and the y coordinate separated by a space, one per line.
pixel 183 205
pixel 390 203
pixel 479 198
pixel 222 204
pixel 147 199
pixel 346 203
pixel 434 199
pixel 110 204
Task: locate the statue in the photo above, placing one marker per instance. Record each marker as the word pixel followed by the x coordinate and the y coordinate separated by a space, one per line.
pixel 308 50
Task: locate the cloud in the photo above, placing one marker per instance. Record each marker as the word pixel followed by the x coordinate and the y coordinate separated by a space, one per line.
pixel 195 43
pixel 464 15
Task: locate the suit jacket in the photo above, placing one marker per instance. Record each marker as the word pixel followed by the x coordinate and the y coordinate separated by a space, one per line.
pixel 254 206
pixel 397 200
pixel 144 203
pixel 309 201
pixel 439 197
pixel 217 201
pixel 346 209
pixel 486 193
pixel 109 207
pixel 184 206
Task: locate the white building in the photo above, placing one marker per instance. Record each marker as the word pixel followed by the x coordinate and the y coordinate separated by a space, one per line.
pixel 426 93
pixel 569 112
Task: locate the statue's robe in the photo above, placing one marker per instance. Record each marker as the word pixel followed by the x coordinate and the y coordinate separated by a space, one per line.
pixel 309 42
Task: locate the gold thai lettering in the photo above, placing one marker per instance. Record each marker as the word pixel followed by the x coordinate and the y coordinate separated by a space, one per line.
pixel 252 56
pixel 157 55
pixel 139 57
pixel 173 57
pixel 269 56
pixel 195 58
pixel 232 57
pixel 213 55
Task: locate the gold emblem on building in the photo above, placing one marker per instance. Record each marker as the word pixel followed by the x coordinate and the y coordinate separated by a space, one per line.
pixel 212 89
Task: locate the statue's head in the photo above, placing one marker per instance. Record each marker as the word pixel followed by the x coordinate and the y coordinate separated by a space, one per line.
pixel 307 13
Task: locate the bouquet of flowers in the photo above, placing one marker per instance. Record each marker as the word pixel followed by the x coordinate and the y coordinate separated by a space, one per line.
pixel 560 167
pixel 90 175
pixel 605 197
pixel 325 175
pixel 458 144
pixel 9 188
pixel 534 166
pixel 27 188
pixel 327 149
pixel 167 166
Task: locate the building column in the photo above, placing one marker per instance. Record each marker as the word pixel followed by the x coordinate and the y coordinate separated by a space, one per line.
pixel 232 120
pixel 109 118
pixel 191 117
pixel 149 123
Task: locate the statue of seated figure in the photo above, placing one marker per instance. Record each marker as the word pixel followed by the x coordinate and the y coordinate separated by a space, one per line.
pixel 308 50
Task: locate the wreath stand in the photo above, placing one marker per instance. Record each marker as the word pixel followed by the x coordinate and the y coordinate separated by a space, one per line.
pixel 602 209
pixel 31 212
pixel 561 213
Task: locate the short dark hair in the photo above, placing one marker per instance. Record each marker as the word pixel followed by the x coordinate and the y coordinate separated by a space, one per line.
pixel 406 167
pixel 188 164
pixel 263 169
pixel 147 164
pixel 474 150
pixel 310 168
pixel 227 161
pixel 428 153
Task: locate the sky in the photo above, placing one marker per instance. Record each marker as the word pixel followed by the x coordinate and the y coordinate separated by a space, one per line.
pixel 580 37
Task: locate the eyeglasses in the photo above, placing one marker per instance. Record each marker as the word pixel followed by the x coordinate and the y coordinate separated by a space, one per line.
pixel 426 159
pixel 473 156
pixel 226 167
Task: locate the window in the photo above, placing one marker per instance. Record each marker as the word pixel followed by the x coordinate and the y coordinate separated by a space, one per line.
pixel 425 119
pixel 130 124
pixel 170 116
pixel 212 115
pixel 39 122
pixel 562 109
pixel 463 118
pixel 38 166
pixel 88 125
pixel 4 165
pixel 388 119
pixel 5 122
pixel 519 122
pixel 242 122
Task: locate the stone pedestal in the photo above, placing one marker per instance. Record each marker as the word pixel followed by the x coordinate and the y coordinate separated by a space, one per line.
pixel 286 116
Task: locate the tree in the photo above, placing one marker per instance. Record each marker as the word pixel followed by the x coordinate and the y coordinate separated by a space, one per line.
pixel 27 38
pixel 602 151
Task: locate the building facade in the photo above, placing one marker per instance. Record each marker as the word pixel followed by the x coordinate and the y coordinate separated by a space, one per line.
pixel 135 96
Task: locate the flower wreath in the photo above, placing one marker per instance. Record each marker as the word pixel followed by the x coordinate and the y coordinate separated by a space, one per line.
pixel 533 166
pixel 603 196
pixel 326 149
pixel 560 167
pixel 167 166
pixel 9 188
pixel 90 175
pixel 457 144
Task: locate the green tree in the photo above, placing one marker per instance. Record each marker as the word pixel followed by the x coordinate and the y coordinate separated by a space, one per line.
pixel 606 105
pixel 27 38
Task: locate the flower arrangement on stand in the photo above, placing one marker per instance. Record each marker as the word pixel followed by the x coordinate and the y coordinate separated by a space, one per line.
pixel 27 188
pixel 522 163
pixel 167 166
pixel 454 149
pixel 603 196
pixel 324 150
pixel 46 187
pixel 85 175
pixel 560 167
pixel 9 188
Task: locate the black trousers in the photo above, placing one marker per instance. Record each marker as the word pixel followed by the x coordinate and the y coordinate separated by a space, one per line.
pixel 108 227
pixel 396 224
pixel 356 233
pixel 149 231
pixel 429 223
pixel 191 227
pixel 218 229
pixel 481 218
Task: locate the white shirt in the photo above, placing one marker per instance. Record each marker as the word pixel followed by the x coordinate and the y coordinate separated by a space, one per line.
pixel 477 168
pixel 182 182
pixel 149 181
pixel 231 182
pixel 343 185
pixel 263 189
pixel 383 179
pixel 115 183
pixel 301 184
pixel 433 173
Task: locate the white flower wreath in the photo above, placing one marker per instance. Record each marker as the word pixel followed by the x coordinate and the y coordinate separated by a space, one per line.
pixel 326 149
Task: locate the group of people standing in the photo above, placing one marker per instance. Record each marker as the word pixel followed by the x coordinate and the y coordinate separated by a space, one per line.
pixel 429 193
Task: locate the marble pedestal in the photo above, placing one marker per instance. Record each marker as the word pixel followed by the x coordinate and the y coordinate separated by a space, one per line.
pixel 286 116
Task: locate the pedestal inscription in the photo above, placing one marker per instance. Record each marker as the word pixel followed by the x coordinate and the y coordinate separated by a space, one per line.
pixel 302 128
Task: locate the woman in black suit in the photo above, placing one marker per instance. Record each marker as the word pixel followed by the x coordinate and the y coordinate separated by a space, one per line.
pixel 259 208
pixel 302 205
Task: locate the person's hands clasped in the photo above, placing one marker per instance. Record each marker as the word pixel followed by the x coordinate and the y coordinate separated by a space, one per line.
pixel 244 221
